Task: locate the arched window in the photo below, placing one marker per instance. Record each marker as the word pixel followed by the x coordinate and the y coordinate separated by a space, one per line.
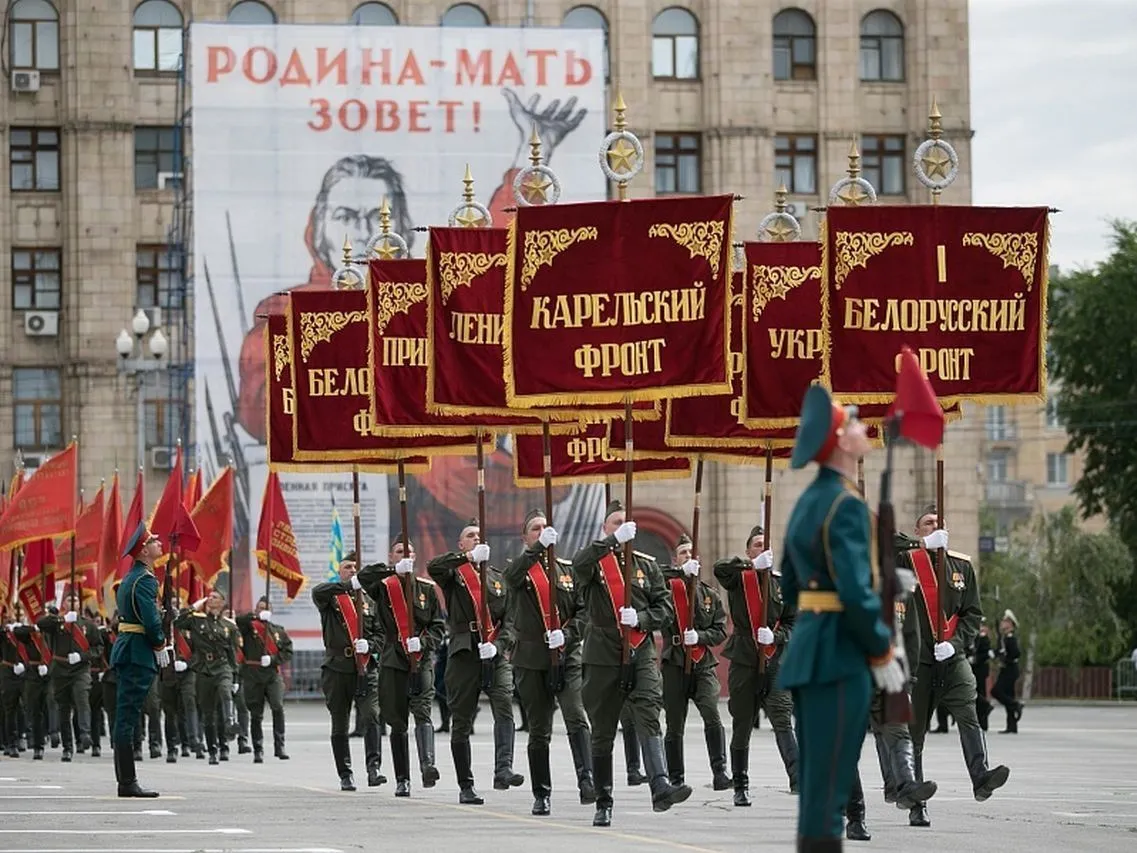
pixel 374 15
pixel 588 18
pixel 465 15
pixel 882 47
pixel 157 37
pixel 33 33
pixel 675 45
pixel 251 12
pixel 795 46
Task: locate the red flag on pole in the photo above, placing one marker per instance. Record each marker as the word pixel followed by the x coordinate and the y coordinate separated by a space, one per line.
pixel 915 404
pixel 164 516
pixel 39 559
pixel 133 519
pixel 193 491
pixel 108 549
pixel 213 516
pixel 276 541
pixel 45 505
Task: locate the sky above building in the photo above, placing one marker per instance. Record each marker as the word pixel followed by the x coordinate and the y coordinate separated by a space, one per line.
pixel 1055 117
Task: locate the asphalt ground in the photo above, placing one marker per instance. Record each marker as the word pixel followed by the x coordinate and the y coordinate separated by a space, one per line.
pixel 1073 787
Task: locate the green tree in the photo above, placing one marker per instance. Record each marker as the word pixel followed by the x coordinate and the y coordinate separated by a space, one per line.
pixel 1093 355
pixel 1060 582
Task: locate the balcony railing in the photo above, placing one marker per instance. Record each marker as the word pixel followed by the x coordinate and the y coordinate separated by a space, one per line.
pixel 1008 493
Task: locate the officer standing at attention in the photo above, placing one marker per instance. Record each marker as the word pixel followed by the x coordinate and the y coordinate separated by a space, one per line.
pixel 139 650
pixel 839 645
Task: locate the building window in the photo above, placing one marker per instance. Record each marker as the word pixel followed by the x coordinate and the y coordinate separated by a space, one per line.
pixel 883 162
pixel 997 427
pixel 157 158
pixel 1056 474
pixel 156 278
pixel 34 155
pixel 38 395
pixel 678 163
pixel 997 468
pixel 36 280
pixel 374 15
pixel 251 12
pixel 588 18
pixel 795 163
pixel 465 15
pixel 795 46
pixel 882 47
pixel 1052 419
pixel 675 45
pixel 33 32
pixel 157 37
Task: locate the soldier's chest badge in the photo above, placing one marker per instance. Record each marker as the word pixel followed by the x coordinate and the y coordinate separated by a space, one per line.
pixel 276 636
pixel 640 579
pixel 422 600
pixel 366 609
pixel 496 586
pixel 566 582
pixel 901 608
pixel 957 581
pixel 708 603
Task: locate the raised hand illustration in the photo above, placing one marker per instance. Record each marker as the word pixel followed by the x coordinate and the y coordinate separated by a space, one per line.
pixel 553 123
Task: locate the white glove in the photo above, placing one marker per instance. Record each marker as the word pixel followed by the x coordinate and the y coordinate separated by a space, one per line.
pixel 265 615
pixel 691 568
pixel 236 687
pixel 42 670
pixel 180 666
pixel 889 677
pixel 557 637
pixel 626 532
pixel 991 654
pixel 355 584
pixel 74 658
pixel 362 647
pixel 935 540
pixel 162 657
pixel 480 553
pixel 690 637
pixel 763 561
pixel 266 660
pixel 18 669
pixel 70 617
pixel 629 617
pixel 943 651
pixel 414 645
pixel 200 603
pixel 487 651
pixel 548 537
pixel 765 636
pixel 405 566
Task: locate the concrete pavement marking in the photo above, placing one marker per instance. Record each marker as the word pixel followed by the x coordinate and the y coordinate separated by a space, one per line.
pixel 224 830
pixel 147 812
pixel 186 850
pixel 32 787
pixel 74 797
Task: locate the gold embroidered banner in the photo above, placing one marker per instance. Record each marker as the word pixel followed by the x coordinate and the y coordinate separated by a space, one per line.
pixel 964 287
pixel 651 441
pixel 587 457
pixel 609 301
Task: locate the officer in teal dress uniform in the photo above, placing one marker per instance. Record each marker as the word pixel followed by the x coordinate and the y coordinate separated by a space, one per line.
pixel 139 650
pixel 839 646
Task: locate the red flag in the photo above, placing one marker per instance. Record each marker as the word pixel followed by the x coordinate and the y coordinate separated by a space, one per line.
pixel 164 516
pixel 108 549
pixel 213 516
pixel 88 536
pixel 45 504
pixel 39 559
pixel 193 492
pixel 133 519
pixel 184 533
pixel 921 418
pixel 276 541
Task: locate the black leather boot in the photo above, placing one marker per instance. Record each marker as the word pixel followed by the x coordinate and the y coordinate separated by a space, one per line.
pixel 855 811
pixel 602 770
pixel 124 772
pixel 716 751
pixel 463 768
pixel 401 758
pixel 984 782
pixel 918 814
pixel 278 735
pixel 341 752
pixel 910 790
pixel 503 740
pixel 673 750
pixel 884 758
pixel 424 741
pixel 373 749
pixel 580 744
pixel 787 747
pixel 632 757
pixel 541 777
pixel 740 768
pixel 664 795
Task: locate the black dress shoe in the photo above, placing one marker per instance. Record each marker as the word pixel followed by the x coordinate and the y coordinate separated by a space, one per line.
pixel 603 816
pixel 918 816
pixel 347 782
pixel 375 778
pixel 258 756
pixel 95 751
pixel 135 790
pixel 66 756
pixel 402 787
pixel 155 752
pixel 470 797
pixel 138 754
pixel 37 754
pixel 855 831
pixel 541 806
pixel 172 757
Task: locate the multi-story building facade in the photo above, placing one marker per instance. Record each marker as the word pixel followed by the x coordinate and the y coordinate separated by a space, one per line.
pixel 727 95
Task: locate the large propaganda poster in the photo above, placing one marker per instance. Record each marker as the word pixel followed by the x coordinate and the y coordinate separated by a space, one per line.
pixel 299 134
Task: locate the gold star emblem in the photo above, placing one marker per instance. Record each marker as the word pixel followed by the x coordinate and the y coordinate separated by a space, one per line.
pixel 852 194
pixel 387 250
pixel 535 188
pixel 936 162
pixel 470 217
pixel 621 156
pixel 779 231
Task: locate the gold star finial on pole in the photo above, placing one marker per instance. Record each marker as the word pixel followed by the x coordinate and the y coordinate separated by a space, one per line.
pixel 346 251
pixel 469 214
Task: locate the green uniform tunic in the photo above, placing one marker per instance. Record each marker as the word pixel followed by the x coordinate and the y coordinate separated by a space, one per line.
pixel 214 663
pixel 71 682
pixel 260 683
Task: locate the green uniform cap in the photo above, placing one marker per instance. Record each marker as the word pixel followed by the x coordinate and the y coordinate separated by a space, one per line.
pixel 815 429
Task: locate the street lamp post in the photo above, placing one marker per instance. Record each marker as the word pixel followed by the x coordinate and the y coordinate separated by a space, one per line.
pixel 138 365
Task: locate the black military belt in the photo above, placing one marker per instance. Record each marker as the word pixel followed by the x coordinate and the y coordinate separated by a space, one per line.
pixel 467 628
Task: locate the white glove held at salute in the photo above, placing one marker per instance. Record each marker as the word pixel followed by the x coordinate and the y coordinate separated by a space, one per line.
pixel 626 532
pixel 889 677
pixel 180 666
pixel 691 568
pixel 480 553
pixel 943 651
pixel 487 651
pixel 557 637
pixel 405 566
pixel 765 636
pixel 629 617
pixel 690 637
pixel 764 560
pixel 73 658
pixel 362 647
pixel 414 645
pixel 548 537
pixel 70 617
pixel 935 540
pixel 200 603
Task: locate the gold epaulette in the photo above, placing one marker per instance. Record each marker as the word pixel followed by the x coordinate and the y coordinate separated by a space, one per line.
pixel 644 556
pixel 561 561
pixel 198 615
pixel 959 556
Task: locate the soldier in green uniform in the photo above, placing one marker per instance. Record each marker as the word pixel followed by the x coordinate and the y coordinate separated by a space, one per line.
pixel 839 645
pixel 352 632
pixel 535 643
pixel 75 643
pixel 408 633
pixel 266 646
pixel 598 572
pixel 37 683
pixel 14 662
pixel 214 641
pixel 139 651
pixel 680 639
pixel 471 644
pixel 943 675
pixel 758 630
pixel 178 689
pixel 99 668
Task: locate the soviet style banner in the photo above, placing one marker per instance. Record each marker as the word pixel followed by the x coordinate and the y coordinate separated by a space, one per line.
pixel 964 287
pixel 651 441
pixel 621 300
pixel 587 457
